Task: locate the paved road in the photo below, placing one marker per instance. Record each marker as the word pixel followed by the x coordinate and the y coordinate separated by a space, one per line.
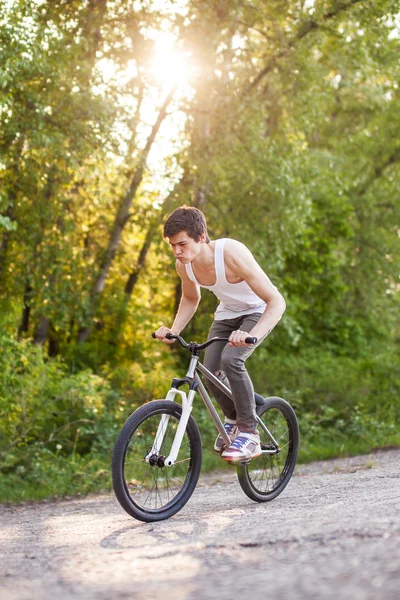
pixel 333 533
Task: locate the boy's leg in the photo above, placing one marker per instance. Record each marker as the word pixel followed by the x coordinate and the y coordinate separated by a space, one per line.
pixel 233 364
pixel 212 361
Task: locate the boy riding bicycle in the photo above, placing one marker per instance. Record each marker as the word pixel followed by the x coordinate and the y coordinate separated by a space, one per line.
pixel 250 305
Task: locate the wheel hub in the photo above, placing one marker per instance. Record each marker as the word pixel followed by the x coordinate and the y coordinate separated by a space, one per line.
pixel 161 461
pixel 153 460
pixel 157 461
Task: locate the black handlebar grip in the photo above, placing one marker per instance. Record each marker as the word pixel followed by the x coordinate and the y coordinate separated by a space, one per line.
pixel 169 336
pixel 251 340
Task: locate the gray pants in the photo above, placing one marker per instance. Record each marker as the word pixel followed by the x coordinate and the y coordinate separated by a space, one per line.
pixel 229 361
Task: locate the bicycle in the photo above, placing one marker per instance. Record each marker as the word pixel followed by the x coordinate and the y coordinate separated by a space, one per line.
pixel 158 453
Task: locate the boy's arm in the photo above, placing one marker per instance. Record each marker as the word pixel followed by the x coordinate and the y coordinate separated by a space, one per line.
pixel 187 307
pixel 189 300
pixel 242 263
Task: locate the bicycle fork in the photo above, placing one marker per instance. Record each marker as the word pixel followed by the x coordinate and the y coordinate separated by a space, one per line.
pixel 187 402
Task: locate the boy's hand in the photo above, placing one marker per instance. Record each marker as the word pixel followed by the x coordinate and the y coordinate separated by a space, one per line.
pixel 237 338
pixel 162 332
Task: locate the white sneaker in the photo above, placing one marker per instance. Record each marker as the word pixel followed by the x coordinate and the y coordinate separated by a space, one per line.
pixel 244 446
pixel 231 430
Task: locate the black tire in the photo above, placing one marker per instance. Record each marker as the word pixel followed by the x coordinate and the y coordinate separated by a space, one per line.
pixel 265 477
pixel 148 490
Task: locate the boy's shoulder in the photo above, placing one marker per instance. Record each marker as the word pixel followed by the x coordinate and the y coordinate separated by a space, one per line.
pixel 234 248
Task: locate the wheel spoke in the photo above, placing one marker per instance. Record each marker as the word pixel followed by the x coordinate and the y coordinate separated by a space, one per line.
pixel 282 447
pixel 177 462
pixel 150 484
pixel 267 475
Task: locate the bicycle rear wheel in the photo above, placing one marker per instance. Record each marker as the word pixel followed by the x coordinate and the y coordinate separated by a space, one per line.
pixel 266 476
pixel 146 488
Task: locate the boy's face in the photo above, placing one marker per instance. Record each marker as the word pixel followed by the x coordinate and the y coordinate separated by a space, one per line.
pixel 184 247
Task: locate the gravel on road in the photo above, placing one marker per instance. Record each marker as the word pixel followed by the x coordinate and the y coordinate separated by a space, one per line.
pixel 333 533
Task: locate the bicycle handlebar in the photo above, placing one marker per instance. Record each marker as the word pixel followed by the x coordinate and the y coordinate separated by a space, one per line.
pixel 171 336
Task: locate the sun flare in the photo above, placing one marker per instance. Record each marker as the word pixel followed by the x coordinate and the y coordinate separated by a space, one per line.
pixel 167 69
pixel 169 66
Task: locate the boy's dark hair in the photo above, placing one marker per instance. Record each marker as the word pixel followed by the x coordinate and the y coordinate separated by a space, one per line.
pixel 189 219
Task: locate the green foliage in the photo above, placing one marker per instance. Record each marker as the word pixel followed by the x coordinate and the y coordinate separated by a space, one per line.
pixel 288 139
pixel 53 475
pixel 43 406
pixel 57 428
pixel 346 405
pixel 7 224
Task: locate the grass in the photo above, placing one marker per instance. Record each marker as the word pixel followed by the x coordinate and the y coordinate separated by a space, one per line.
pixel 338 445
pixel 58 477
pixel 54 477
pixel 49 475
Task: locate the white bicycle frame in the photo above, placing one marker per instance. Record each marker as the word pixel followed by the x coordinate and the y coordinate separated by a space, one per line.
pixel 187 405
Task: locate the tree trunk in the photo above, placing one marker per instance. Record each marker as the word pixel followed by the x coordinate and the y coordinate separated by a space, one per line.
pixel 302 32
pixel 49 194
pixel 12 195
pixel 5 240
pixel 91 33
pixel 134 275
pixel 96 10
pixel 26 311
pixel 122 218
pixel 41 331
pixel 200 196
pixel 53 346
pixel 130 284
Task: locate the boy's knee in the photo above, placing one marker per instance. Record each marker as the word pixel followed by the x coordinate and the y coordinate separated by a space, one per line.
pixel 232 364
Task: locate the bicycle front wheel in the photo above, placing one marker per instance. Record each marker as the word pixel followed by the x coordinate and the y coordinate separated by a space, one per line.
pixel 266 476
pixel 144 486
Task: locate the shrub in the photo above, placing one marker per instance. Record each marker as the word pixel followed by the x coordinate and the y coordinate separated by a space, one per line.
pixel 345 405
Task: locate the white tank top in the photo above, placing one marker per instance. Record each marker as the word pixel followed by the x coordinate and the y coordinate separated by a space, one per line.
pixel 236 299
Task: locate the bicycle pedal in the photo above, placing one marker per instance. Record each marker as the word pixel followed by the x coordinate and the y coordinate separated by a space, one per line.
pixel 232 463
pixel 237 463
